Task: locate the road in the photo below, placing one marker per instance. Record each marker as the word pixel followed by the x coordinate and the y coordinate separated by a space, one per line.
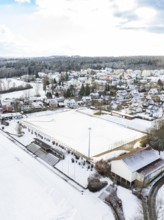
pixel 149 201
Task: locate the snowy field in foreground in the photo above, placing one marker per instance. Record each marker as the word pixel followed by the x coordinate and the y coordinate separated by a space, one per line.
pixel 72 129
pixel 30 191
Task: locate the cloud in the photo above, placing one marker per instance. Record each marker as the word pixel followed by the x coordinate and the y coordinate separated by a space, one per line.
pixel 124 6
pixel 145 15
pixel 158 4
pixel 5 34
pixel 11 43
pixel 70 7
pixel 84 14
pixel 53 8
pixel 84 27
pixel 23 1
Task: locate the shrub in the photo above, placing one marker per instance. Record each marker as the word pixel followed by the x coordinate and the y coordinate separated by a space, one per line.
pixel 98 113
pixel 102 167
pixel 94 184
pixel 77 157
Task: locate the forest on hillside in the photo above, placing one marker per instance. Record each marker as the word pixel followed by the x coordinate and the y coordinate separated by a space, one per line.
pixel 11 67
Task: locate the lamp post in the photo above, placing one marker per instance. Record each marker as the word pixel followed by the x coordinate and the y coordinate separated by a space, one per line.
pixel 89 142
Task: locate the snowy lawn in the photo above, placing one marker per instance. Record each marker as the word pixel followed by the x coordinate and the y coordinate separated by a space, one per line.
pixel 11 83
pixel 131 204
pixel 8 83
pixel 30 191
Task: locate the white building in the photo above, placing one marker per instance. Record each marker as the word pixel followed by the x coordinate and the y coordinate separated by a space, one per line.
pixel 130 168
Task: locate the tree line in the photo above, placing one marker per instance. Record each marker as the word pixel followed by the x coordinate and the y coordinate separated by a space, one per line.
pixel 18 67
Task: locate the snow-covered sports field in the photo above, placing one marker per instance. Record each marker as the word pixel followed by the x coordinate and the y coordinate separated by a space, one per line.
pixel 71 128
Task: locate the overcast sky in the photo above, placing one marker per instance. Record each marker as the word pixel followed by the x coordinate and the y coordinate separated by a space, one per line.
pixel 81 27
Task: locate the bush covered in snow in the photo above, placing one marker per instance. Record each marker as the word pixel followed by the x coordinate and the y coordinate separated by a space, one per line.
pixel 95 184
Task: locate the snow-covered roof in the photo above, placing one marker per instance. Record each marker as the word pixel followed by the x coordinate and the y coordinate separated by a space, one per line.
pixel 152 167
pixel 140 159
pixel 8 115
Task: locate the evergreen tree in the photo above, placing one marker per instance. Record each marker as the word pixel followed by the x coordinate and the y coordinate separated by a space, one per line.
pixel 107 87
pixel 49 95
pixel 72 90
pixel 82 90
pixel 45 83
pixel 160 83
pixel 66 77
pixel 87 90
pixel 67 93
pixel 57 94
pixel 44 86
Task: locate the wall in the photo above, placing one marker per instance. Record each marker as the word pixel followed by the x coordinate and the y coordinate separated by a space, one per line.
pixel 119 168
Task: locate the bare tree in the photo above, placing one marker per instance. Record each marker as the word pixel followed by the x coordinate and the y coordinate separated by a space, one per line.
pixel 45 83
pixel 155 137
pixel 4 85
pixel 37 88
pixel 14 85
pixel 27 94
pixel 1 88
pixel 8 83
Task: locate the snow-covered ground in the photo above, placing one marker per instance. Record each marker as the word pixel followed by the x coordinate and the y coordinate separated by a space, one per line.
pixel 131 204
pixel 136 124
pixel 8 83
pixel 160 204
pixel 37 183
pixel 76 171
pixel 71 128
pixel 110 155
pixel 30 191
pixel 11 82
